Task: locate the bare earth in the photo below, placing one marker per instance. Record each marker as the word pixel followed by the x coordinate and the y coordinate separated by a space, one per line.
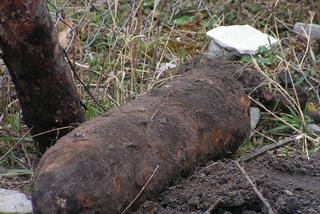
pixel 290 185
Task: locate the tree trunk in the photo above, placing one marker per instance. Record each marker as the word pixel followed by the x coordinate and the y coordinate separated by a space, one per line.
pixel 36 63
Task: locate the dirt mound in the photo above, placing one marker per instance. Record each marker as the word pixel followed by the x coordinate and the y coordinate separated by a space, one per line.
pixel 290 185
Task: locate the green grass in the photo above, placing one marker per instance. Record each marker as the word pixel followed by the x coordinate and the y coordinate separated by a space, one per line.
pixel 16 172
pixel 14 121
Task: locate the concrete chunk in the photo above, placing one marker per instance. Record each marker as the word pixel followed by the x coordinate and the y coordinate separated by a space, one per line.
pixel 242 38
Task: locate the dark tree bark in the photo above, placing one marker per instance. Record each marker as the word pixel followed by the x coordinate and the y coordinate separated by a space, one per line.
pixel 36 63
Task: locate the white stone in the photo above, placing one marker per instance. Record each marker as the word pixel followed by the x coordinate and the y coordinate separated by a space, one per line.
pixel 242 38
pixel 14 202
pixel 165 67
pixel 254 117
pixel 314 128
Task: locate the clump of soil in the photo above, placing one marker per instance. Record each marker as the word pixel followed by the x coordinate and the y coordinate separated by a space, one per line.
pixel 290 185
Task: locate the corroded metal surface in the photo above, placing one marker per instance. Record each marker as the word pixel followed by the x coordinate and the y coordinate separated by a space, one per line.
pixel 102 165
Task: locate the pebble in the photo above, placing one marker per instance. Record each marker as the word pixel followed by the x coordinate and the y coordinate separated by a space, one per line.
pixel 254 117
pixel 314 128
pixel 306 29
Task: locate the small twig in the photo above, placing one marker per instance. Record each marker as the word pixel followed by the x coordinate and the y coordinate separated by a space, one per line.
pixel 258 193
pixel 270 147
pixel 52 130
pixel 4 75
pixel 214 206
pixel 151 119
pixel 15 145
pixel 210 165
pixel 207 167
pixel 141 191
pixel 82 83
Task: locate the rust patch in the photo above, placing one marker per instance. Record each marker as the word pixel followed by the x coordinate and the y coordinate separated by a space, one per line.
pixel 222 138
pixel 217 135
pixel 245 104
pixel 116 183
pixel 159 152
pixel 86 199
pixel 228 137
pixel 178 153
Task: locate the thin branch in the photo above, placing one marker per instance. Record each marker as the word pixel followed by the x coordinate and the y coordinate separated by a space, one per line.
pixel 255 189
pixel 81 82
pixel 214 206
pixel 141 191
pixel 15 145
pixel 271 147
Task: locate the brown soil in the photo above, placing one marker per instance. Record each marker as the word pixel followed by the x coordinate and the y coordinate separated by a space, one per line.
pixel 290 186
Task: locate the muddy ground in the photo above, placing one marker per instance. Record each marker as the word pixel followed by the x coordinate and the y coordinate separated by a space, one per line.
pixel 290 186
